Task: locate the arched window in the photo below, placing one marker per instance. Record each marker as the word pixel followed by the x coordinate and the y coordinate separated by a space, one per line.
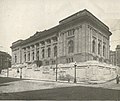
pixel 99 48
pixel 29 56
pixel 55 51
pixel 15 58
pixel 37 55
pixel 25 57
pixel 49 52
pixel 93 46
pixel 43 53
pixel 33 55
pixel 70 46
pixel 103 50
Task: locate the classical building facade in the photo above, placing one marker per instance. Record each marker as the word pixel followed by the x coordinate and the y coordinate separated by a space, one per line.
pixel 80 37
pixel 5 60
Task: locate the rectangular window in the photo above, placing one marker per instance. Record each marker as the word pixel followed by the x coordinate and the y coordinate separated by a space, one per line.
pixel 25 57
pixel 93 46
pixel 104 50
pixel 71 32
pixel 28 56
pixel 15 59
pixel 43 53
pixel 99 48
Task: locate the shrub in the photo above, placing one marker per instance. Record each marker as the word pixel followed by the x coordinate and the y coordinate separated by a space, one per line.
pixel 66 77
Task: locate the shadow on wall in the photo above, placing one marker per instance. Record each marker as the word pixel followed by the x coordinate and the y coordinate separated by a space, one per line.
pixel 7 79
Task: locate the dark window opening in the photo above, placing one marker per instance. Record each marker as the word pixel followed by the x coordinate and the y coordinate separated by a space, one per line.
pixel 55 51
pixel 70 46
pixel 43 53
pixel 93 46
pixel 49 52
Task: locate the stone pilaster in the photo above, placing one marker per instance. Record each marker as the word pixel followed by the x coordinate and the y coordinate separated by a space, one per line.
pixel 77 33
pixel 59 46
pixel 35 52
pixel 22 55
pixel 30 53
pixel 96 43
pixel 90 42
pixel 83 38
pixel 65 44
pixel 40 51
pixel 91 34
pixel 52 49
pixel 108 49
pixel 87 39
pixel 75 41
pixel 102 47
pixel 80 38
pixel 45 51
pixel 26 54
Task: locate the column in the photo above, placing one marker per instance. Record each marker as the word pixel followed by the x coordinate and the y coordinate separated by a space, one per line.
pixel 80 39
pixel 40 56
pixel 30 53
pixel 90 42
pixel 83 38
pixel 26 54
pixel 60 43
pixel 87 40
pixel 77 33
pixel 102 47
pixel 52 49
pixel 75 41
pixel 35 52
pixel 96 43
pixel 45 50
pixel 65 42
pixel 91 36
pixel 107 48
pixel 22 55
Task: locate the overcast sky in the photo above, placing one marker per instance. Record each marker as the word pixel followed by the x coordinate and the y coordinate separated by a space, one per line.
pixel 20 19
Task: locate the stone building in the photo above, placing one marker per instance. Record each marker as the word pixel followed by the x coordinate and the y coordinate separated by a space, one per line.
pixel 5 60
pixel 80 37
pixel 118 55
pixel 115 56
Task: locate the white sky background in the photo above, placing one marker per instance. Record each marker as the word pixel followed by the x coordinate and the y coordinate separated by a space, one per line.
pixel 20 19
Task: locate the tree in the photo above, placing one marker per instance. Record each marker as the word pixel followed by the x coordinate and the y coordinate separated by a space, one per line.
pixel 38 63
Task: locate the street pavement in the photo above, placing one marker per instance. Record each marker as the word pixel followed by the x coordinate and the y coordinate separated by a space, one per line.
pixel 26 88
pixel 28 85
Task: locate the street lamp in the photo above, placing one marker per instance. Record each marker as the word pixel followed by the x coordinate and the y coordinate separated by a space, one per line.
pixel 75 65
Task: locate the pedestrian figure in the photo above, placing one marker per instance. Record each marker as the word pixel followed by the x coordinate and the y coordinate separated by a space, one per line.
pixel 117 79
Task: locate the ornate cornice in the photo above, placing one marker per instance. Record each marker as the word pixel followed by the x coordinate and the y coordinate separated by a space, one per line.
pixel 82 16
